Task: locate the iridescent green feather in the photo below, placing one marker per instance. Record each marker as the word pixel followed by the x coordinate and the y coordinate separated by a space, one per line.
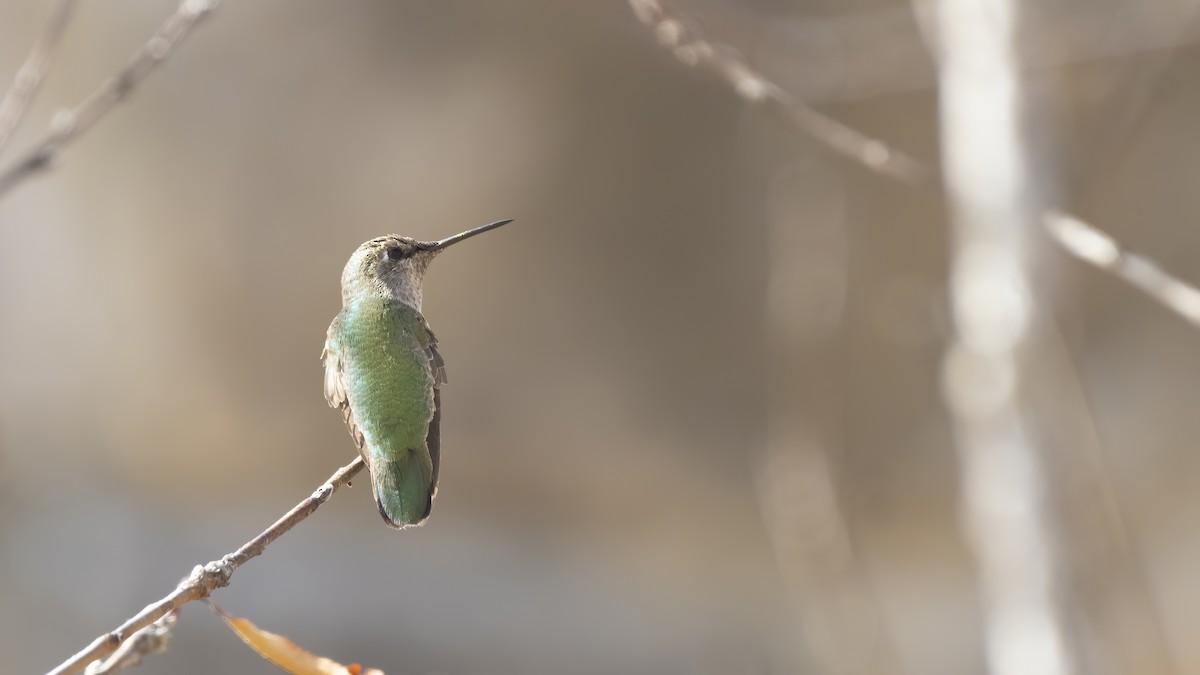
pixel 383 371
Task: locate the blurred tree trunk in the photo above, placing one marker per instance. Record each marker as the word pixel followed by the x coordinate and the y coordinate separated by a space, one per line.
pixel 994 203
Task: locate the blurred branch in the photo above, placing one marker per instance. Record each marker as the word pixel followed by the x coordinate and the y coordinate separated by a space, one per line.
pixel 677 32
pixel 68 125
pixel 204 579
pixel 25 85
pixel 680 34
pixel 1100 250
pixel 986 372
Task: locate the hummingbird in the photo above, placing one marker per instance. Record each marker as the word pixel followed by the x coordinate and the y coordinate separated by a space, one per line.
pixel 383 371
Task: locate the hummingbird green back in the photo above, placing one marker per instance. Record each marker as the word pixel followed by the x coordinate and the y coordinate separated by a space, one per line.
pixel 383 372
pixel 385 369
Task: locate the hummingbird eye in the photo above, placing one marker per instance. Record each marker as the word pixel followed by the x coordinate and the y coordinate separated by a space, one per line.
pixel 395 253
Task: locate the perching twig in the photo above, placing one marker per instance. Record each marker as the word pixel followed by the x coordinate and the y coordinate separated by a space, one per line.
pixel 70 124
pixel 679 34
pixel 204 579
pixel 16 101
pixel 153 639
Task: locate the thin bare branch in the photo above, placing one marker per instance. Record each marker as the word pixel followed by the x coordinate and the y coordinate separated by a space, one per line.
pixel 25 85
pixel 153 639
pixel 70 124
pixel 676 31
pixel 204 579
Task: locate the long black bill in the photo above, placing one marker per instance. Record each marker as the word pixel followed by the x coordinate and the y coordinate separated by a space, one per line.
pixel 439 245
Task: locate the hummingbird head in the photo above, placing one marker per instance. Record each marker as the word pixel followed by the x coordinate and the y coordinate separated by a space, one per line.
pixel 393 266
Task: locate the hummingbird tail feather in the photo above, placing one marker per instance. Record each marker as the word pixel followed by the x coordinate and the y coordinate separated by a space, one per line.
pixel 403 487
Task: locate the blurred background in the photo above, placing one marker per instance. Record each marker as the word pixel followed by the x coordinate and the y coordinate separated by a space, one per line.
pixel 694 421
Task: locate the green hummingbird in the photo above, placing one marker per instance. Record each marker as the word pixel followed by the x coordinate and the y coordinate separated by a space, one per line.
pixel 384 372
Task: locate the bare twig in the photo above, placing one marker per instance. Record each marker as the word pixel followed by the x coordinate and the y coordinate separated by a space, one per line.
pixel 204 579
pixel 70 124
pixel 685 39
pixel 153 639
pixel 25 85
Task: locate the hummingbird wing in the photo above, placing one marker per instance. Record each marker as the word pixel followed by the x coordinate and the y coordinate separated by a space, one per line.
pixel 433 440
pixel 335 384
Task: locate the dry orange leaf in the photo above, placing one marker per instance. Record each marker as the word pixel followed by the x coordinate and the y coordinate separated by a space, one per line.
pixel 287 654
